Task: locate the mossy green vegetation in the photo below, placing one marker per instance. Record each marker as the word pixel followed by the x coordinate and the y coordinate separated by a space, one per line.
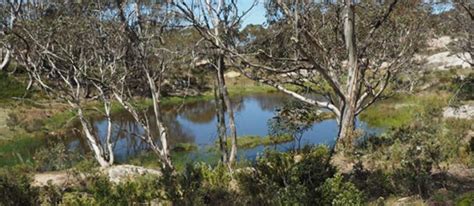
pixel 402 109
pixel 466 199
pixel 184 147
pixel 252 141
pixel 19 149
pixel 10 87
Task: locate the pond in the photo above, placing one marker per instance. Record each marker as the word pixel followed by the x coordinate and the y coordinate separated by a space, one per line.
pixel 196 123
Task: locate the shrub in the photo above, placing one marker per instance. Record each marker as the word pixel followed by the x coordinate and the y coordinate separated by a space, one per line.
pixel 98 190
pixel 339 193
pixel 287 178
pixel 10 87
pixel 463 89
pixel 199 184
pixel 15 188
pixel 55 157
pixel 466 199
pixel 375 184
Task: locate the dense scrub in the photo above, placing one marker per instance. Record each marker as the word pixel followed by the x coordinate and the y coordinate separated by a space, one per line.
pixel 10 87
pixel 409 161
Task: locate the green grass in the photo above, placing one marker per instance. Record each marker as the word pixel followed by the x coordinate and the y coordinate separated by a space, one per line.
pixel 10 87
pixel 18 150
pixel 59 120
pixel 184 147
pixel 402 109
pixel 466 199
pixel 179 159
pixel 252 141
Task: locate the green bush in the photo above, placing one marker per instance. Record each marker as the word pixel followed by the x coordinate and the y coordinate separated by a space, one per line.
pixel 291 178
pixel 375 184
pixel 98 190
pixel 199 184
pixel 408 155
pixel 15 188
pixel 10 87
pixel 466 199
pixel 336 192
pixel 55 157
pixel 463 88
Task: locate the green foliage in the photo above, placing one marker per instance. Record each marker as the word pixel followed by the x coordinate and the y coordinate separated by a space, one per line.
pixel 10 87
pixel 290 178
pixel 401 110
pixel 408 155
pixel 55 157
pixel 252 141
pixel 184 147
pixel 411 152
pixel 99 190
pixel 463 89
pixel 376 183
pixel 16 188
pixel 465 199
pixel 51 194
pixel 339 193
pixel 199 184
pixel 18 150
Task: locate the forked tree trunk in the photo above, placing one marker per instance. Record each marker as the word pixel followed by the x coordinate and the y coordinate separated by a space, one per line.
pixel 163 134
pixel 229 109
pixel 92 141
pixel 221 126
pixel 347 119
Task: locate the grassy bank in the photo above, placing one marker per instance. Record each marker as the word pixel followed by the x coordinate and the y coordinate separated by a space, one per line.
pixel 402 109
pixel 252 141
pixel 32 123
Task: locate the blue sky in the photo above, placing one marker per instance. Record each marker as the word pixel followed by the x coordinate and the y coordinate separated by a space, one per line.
pixel 256 15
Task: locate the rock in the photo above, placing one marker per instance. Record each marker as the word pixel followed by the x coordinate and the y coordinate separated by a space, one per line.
pixel 232 74
pixel 439 43
pixel 120 173
pixel 412 200
pixel 57 178
pixel 116 174
pixel 462 112
pixel 446 60
pixel 298 158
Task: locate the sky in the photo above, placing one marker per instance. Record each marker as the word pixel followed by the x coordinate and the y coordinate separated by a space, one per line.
pixel 256 15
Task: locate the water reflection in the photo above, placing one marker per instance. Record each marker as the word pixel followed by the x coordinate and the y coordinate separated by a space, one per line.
pixel 196 123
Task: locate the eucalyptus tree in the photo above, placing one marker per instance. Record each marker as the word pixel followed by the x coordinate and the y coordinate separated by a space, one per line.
pixel 338 55
pixel 62 48
pixel 217 21
pixel 101 51
pixel 464 29
pixel 9 12
pixel 146 65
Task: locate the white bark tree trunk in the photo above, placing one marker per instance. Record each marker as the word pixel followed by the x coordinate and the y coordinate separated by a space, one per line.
pixel 155 94
pixel 92 140
pixel 348 115
pixel 5 60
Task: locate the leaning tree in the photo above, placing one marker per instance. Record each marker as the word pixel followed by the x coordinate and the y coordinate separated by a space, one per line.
pixel 339 55
pixel 145 68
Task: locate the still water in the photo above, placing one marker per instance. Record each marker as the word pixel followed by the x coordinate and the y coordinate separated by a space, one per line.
pixel 196 123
